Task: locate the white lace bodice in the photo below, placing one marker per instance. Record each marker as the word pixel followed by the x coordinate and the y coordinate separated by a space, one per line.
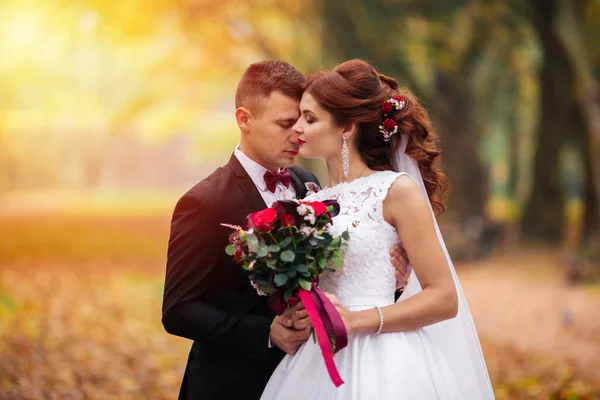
pixel 367 276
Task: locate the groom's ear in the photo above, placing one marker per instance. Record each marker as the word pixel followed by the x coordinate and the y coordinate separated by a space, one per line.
pixel 243 117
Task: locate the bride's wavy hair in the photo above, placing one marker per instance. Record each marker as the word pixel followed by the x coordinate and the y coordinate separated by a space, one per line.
pixel 353 92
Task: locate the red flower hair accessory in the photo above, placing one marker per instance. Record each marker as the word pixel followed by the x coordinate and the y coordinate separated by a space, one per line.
pixel 389 127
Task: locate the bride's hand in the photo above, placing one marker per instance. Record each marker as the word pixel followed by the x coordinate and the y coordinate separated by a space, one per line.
pixel 347 315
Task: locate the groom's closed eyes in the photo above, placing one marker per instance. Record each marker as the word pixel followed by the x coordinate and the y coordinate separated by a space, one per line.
pixel 286 123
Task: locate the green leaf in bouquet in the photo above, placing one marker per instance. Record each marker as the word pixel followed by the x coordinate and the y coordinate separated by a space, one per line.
pixel 324 220
pixel 261 280
pixel 274 248
pixel 268 290
pixel 287 256
pixel 263 250
pixel 306 273
pixel 230 250
pixel 302 267
pixel 301 249
pixel 335 243
pixel 313 241
pixel 252 242
pixel 272 263
pixel 309 257
pixel 345 235
pixel 285 242
pixel 304 284
pixel 321 261
pixel 281 279
pixel 251 238
pixel 291 273
pixel 337 259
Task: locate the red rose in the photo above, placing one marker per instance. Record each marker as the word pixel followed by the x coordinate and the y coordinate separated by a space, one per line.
pixel 398 98
pixel 287 220
pixel 386 107
pixel 238 256
pixel 319 207
pixel 263 220
pixel 389 124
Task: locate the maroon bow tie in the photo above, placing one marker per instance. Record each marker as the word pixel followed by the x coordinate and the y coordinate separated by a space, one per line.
pixel 271 179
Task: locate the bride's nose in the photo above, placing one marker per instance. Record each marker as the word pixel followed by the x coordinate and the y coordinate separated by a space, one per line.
pixel 296 128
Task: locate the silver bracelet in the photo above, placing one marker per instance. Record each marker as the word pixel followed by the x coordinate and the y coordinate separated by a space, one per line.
pixel 380 320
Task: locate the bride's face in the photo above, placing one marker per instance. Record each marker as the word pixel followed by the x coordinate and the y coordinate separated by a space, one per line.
pixel 318 135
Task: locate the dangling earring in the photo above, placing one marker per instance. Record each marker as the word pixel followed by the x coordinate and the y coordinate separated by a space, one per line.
pixel 345 158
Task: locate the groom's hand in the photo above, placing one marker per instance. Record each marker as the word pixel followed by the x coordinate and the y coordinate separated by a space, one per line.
pixel 299 316
pixel 401 263
pixel 287 339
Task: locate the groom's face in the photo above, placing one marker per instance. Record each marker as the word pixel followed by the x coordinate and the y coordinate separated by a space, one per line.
pixel 270 140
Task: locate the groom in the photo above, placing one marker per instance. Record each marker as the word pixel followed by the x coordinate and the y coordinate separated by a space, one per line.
pixel 238 339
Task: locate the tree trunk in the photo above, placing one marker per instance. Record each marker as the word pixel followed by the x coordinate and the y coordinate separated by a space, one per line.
pixel 460 158
pixel 591 227
pixel 572 38
pixel 543 216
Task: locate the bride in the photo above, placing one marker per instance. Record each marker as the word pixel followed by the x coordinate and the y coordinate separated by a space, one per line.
pixel 383 169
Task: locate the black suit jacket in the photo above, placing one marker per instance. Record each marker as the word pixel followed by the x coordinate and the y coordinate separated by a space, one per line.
pixel 208 298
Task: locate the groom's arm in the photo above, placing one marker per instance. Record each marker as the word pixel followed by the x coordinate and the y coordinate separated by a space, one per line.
pixel 192 257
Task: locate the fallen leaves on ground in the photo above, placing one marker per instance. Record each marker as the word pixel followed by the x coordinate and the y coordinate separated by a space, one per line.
pixel 80 317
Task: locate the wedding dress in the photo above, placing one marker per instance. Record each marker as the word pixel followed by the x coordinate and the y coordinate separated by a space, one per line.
pixel 396 365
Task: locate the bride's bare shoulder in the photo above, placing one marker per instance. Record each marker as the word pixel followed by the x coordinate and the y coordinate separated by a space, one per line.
pixel 404 197
pixel 403 188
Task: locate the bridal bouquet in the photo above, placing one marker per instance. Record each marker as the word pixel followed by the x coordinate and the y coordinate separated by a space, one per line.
pixel 286 248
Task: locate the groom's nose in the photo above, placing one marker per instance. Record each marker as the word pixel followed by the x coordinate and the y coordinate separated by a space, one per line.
pixel 294 136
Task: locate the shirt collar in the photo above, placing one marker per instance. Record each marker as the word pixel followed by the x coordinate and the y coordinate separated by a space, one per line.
pixel 255 171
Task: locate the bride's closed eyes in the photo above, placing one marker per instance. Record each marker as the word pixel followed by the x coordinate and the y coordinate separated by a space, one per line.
pixel 309 116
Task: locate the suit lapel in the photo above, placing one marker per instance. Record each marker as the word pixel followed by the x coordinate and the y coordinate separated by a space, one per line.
pixel 246 185
pixel 298 185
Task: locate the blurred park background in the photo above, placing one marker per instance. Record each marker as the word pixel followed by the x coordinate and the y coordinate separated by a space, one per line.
pixel 110 110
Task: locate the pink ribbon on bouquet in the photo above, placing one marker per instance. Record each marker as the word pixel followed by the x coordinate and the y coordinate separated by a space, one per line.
pixel 326 321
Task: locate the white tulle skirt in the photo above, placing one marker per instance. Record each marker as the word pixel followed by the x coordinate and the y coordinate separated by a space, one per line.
pixel 397 365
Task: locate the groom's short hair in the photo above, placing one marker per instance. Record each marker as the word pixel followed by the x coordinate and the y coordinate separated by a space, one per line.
pixel 264 77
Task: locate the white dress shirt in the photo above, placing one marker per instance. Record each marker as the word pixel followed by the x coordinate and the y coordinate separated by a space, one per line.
pixel 257 173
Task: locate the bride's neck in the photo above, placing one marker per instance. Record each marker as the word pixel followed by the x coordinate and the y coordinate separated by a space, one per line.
pixel 336 172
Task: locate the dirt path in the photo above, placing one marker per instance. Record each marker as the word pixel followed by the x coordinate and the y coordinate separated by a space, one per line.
pixel 518 300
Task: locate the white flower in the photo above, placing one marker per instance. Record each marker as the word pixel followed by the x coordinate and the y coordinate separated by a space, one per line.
pixel 305 231
pixel 304 209
pixel 251 265
pixel 310 218
pixel 398 105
